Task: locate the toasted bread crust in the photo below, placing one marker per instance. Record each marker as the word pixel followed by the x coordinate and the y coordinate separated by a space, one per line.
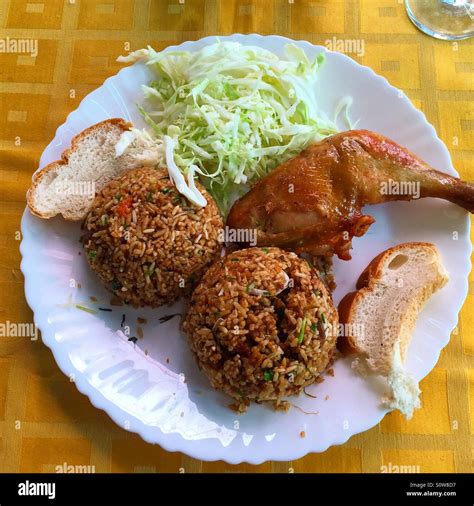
pixel 347 344
pixel 37 177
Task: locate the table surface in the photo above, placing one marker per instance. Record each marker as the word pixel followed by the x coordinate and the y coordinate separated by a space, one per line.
pixel 45 423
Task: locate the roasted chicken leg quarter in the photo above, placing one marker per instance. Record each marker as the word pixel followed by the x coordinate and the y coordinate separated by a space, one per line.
pixel 312 203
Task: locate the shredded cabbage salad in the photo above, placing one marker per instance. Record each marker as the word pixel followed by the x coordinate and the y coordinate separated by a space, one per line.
pixel 228 114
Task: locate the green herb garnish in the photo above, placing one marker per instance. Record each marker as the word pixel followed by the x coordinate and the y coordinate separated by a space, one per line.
pixel 265 250
pixel 301 332
pixel 314 327
pixel 249 287
pixel 86 309
pixel 323 318
pixel 165 190
pixel 268 375
pixel 149 197
pixel 92 254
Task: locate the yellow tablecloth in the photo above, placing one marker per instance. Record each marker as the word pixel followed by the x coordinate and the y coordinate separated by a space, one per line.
pixel 44 421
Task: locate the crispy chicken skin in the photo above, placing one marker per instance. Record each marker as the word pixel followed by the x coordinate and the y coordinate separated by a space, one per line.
pixel 313 202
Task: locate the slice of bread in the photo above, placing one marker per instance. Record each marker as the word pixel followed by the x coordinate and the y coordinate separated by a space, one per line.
pixel 68 186
pixel 382 314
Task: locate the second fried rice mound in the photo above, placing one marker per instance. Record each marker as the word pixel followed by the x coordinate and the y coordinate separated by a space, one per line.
pixel 260 325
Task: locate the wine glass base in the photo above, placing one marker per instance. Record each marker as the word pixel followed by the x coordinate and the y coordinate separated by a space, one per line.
pixel 432 32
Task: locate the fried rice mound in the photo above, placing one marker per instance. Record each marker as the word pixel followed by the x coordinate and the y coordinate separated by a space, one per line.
pixel 146 242
pixel 260 325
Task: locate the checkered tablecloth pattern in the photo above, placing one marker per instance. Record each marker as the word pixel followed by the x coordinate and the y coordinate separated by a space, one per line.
pixel 44 421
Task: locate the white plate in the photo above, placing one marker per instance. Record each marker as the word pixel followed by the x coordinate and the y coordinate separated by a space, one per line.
pixel 146 394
